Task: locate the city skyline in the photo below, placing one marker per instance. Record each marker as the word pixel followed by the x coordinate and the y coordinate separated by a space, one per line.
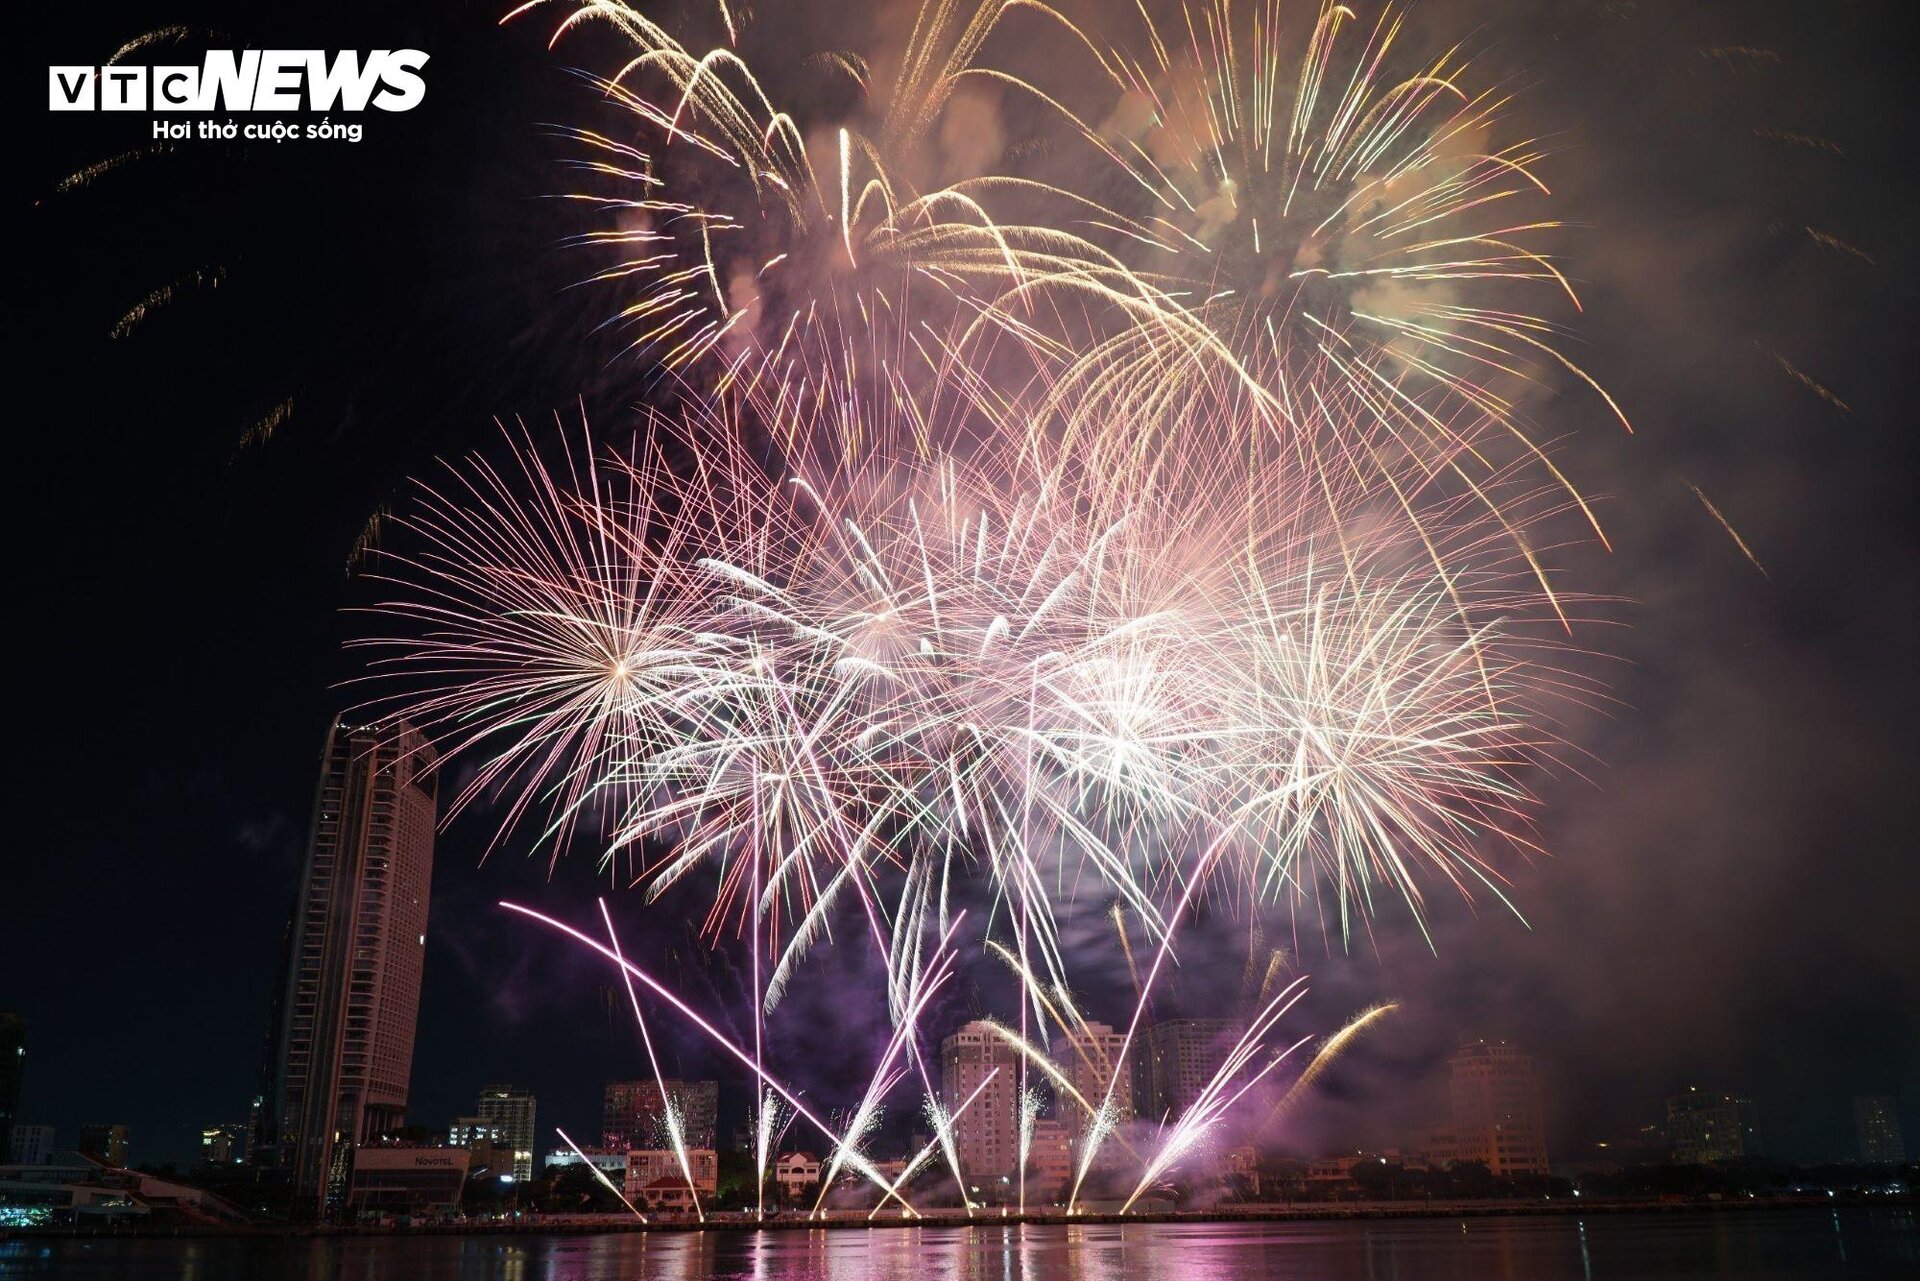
pixel 1493 1114
pixel 1690 1127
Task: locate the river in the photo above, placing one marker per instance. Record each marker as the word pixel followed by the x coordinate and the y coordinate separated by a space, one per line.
pixel 1783 1245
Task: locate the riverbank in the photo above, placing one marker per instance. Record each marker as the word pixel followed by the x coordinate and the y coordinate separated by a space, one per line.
pixel 738 1221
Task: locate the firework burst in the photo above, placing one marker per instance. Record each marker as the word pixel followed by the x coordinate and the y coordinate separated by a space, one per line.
pixel 1329 222
pixel 798 227
pixel 1240 591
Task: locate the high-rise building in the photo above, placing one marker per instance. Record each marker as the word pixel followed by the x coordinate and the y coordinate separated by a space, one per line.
pixel 1497 1118
pixel 1705 1127
pixel 1182 1056
pixel 13 1066
pixel 358 942
pixel 986 1135
pixel 32 1145
pixel 105 1142
pixel 634 1117
pixel 1090 1059
pixel 223 1144
pixel 1876 1122
pixel 508 1109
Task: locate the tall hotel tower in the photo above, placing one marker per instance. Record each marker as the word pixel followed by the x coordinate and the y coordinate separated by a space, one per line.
pixel 346 1021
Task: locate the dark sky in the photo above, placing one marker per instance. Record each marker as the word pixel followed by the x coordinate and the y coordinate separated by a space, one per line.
pixel 1732 887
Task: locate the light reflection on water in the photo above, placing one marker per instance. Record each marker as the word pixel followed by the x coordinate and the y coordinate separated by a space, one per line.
pixel 1785 1245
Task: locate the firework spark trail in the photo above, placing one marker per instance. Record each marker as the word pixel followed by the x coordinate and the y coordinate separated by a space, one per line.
pixel 669 1109
pixel 943 1130
pixel 1724 523
pixel 942 1122
pixel 885 1075
pixel 1323 1058
pixel 209 277
pixel 1102 1119
pixel 768 1127
pixel 1222 1090
pixel 598 1173
pixel 1091 1147
pixel 860 1164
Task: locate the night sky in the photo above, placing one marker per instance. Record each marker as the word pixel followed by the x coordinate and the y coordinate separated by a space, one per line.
pixel 1732 887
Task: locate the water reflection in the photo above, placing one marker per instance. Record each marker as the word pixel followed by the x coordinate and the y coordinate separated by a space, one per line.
pixel 1781 1245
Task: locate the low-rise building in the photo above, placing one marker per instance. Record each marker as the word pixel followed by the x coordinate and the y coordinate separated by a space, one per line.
pixel 655 1177
pixel 1333 1173
pixel 611 1164
pixel 32 1145
pixel 487 1159
pixel 1438 1147
pixel 75 1187
pixel 796 1173
pixel 419 1181
pixel 1241 1165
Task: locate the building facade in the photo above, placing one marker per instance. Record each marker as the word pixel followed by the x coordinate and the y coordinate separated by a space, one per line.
pixel 1437 1147
pixel 1050 1161
pixel 357 947
pixel 612 1164
pixel 1707 1128
pixel 797 1173
pixel 489 1155
pixel 508 1109
pixel 655 1178
pixel 466 1131
pixel 634 1114
pixel 224 1144
pixel 1876 1124
pixel 31 1145
pixel 105 1142
pixel 986 1134
pixel 1182 1056
pixel 1497 1117
pixel 380 1181
pixel 1090 1059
